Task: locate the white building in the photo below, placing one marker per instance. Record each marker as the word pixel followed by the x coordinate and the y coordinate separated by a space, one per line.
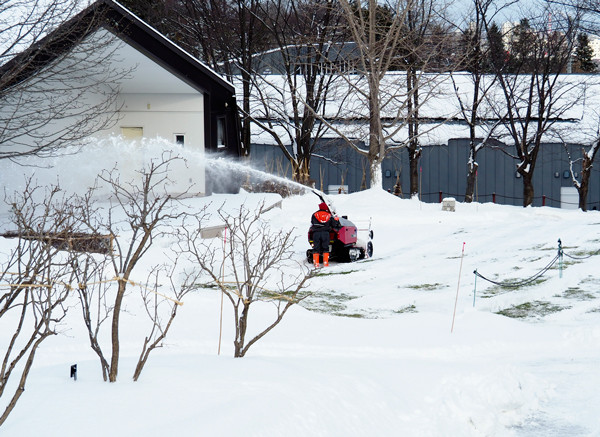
pixel 106 72
pixel 595 45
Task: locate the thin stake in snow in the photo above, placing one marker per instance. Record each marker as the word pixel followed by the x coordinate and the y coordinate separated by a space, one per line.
pixel 222 279
pixel 458 286
pixel 475 288
pixel 560 258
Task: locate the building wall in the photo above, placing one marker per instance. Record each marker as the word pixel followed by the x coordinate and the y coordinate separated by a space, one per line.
pixel 443 172
pixel 595 45
pixel 164 115
pixel 122 86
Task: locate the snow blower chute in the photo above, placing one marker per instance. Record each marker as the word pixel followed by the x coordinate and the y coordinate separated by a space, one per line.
pixel 344 244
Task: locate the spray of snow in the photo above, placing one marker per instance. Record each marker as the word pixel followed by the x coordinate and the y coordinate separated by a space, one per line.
pixel 76 170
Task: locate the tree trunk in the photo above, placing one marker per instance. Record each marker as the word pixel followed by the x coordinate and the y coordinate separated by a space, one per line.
pixel 246 124
pixel 376 148
pixel 414 151
pixel 376 176
pixel 242 326
pixel 586 169
pixel 302 170
pixel 583 191
pixel 527 188
pixel 471 180
pixel 114 360
pixel 142 360
pixel 413 160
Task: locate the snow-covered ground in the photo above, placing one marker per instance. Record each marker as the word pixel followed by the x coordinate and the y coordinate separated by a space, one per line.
pixel 371 352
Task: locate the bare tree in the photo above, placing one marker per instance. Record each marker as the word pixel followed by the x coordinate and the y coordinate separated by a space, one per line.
pixel 417 50
pixel 588 12
pixel 307 57
pixel 587 162
pixel 226 34
pixel 254 267
pixel 534 96
pixel 387 34
pixel 141 210
pixel 160 309
pixel 62 87
pixel 476 61
pixel 36 275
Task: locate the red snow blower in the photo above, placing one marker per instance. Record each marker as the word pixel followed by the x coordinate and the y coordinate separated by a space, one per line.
pixel 344 244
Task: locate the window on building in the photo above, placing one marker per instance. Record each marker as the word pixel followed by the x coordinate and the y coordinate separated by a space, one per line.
pixel 221 132
pixel 132 133
pixel 180 139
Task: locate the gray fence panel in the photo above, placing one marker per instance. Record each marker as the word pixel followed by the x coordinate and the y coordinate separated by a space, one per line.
pixel 441 169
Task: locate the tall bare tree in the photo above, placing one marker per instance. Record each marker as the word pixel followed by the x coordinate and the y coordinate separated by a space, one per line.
pixel 418 51
pixel 534 96
pixel 477 59
pixel 387 35
pixel 306 62
pixel 226 34
pixel 588 12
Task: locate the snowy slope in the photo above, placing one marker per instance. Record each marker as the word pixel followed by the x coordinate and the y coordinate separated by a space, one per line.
pixel 371 352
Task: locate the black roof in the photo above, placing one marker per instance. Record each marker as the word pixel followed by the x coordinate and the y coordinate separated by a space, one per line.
pixel 115 18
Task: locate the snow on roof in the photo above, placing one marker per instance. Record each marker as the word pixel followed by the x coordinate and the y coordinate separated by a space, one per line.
pixel 347 108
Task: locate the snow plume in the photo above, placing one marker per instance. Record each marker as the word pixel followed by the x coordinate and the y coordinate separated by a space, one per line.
pixel 76 169
pixel 223 171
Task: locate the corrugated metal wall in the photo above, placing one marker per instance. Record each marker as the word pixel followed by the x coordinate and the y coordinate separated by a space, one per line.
pixel 442 169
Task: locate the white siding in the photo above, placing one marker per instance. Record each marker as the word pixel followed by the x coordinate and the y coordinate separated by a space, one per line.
pixel 147 97
pixel 163 115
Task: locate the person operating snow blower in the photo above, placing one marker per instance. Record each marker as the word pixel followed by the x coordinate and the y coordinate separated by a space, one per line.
pixel 322 222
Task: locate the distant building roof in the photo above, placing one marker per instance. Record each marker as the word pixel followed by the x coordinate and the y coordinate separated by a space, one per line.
pixel 440 112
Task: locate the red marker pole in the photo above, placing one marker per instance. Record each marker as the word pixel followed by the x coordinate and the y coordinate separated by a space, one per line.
pixel 458 287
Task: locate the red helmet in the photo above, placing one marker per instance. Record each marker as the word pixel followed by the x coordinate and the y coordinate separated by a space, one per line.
pixel 323 206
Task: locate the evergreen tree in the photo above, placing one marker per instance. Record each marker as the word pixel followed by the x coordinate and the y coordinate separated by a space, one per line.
pixel 471 59
pixel 522 47
pixel 584 54
pixel 496 54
